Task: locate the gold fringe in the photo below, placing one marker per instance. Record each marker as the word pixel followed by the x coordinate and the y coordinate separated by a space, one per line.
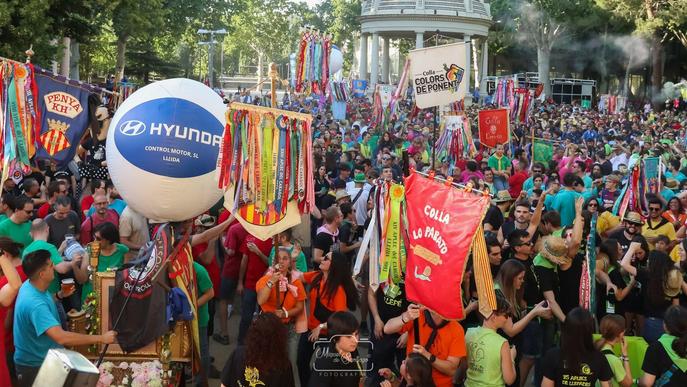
pixel 483 280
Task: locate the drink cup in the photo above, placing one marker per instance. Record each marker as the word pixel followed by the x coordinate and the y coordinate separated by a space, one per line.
pixel 68 285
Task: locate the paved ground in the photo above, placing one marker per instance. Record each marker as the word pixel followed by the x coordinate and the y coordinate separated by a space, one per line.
pixel 221 352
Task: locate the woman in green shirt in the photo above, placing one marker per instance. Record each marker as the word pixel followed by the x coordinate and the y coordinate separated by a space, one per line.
pixel 612 329
pixel 491 361
pixel 112 256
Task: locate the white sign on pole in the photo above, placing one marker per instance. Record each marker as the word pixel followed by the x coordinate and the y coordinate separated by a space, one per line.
pixel 437 74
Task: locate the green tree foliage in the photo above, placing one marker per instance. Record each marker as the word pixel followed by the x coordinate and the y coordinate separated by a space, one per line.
pixel 27 23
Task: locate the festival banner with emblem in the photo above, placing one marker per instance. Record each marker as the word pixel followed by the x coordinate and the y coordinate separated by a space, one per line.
pixel 266 168
pixel 64 114
pixel 437 74
pixel 494 127
pixel 442 223
pixel 359 87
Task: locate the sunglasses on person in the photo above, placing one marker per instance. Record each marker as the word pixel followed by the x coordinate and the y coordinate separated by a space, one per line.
pixel 654 208
pixel 592 205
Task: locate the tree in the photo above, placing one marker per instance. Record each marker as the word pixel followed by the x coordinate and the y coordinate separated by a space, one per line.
pixel 654 20
pixel 263 28
pixel 25 23
pixel 134 18
pixel 546 22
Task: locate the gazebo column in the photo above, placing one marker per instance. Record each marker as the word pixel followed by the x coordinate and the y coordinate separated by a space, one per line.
pixel 468 56
pixel 362 68
pixel 419 39
pixel 385 60
pixel 374 61
pixel 485 68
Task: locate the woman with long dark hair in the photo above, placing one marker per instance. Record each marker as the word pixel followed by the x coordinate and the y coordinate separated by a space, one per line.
pixel 322 184
pixel 661 283
pixel 338 364
pixel 263 360
pixel 609 278
pixel 331 290
pixel 632 305
pixel 665 361
pixel 522 325
pixel 675 214
pixel 576 358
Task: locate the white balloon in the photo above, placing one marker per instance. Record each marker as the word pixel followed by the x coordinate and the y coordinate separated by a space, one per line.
pixel 336 60
pixel 162 149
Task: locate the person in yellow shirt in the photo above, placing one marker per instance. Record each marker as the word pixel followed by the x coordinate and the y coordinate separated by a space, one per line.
pixel 657 225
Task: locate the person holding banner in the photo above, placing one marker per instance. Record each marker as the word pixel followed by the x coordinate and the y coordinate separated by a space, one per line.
pixel 441 341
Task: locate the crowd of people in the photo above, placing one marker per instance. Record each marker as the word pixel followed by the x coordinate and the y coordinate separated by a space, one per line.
pixel 306 320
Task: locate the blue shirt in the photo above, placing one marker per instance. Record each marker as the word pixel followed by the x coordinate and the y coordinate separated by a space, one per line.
pixel 34 313
pixel 564 204
pixel 118 205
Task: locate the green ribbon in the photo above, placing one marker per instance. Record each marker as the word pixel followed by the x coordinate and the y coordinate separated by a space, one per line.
pixel 17 130
pixel 393 252
pixel 666 341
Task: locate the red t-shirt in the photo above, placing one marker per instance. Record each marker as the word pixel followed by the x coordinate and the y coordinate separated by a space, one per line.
pixel 44 210
pixel 212 268
pixel 515 183
pixel 256 267
pixel 89 224
pixel 86 203
pixel 232 263
pixel 6 335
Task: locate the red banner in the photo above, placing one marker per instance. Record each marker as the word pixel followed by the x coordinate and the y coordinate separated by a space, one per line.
pixel 442 221
pixel 494 127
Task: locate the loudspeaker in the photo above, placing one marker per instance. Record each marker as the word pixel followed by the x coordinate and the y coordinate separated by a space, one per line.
pixel 66 368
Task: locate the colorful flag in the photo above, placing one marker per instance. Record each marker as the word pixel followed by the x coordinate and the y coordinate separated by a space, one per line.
pixel 442 223
pixel 543 151
pixel 64 115
pixel 494 127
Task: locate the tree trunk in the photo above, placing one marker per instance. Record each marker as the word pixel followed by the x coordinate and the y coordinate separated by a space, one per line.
pixel 259 72
pixel 543 67
pixel 656 70
pixel 66 53
pixel 625 90
pixel 74 60
pixel 121 51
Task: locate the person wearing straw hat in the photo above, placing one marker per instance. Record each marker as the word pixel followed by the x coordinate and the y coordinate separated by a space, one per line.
pixel 631 226
pixel 554 257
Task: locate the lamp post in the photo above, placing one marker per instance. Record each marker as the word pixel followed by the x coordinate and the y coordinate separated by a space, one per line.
pixel 211 48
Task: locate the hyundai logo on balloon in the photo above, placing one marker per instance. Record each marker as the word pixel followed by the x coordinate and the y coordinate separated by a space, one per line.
pixel 132 128
pixel 171 135
pixel 162 149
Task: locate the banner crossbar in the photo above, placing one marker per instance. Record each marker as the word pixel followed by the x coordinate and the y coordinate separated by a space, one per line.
pixel 457 185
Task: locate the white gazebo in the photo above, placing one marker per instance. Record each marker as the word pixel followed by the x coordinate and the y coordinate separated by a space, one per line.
pixel 468 20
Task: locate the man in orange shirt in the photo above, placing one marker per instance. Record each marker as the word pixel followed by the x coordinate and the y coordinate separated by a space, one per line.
pixel 441 341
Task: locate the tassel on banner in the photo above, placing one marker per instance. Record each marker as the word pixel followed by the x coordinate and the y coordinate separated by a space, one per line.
pixel 485 284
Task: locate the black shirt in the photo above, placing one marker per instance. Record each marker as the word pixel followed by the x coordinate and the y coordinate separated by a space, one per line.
pixel 234 373
pixel 593 367
pixel 494 217
pixel 622 240
pixel 347 236
pixel 326 242
pixel 651 307
pixel 391 304
pixel 569 285
pixel 657 362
